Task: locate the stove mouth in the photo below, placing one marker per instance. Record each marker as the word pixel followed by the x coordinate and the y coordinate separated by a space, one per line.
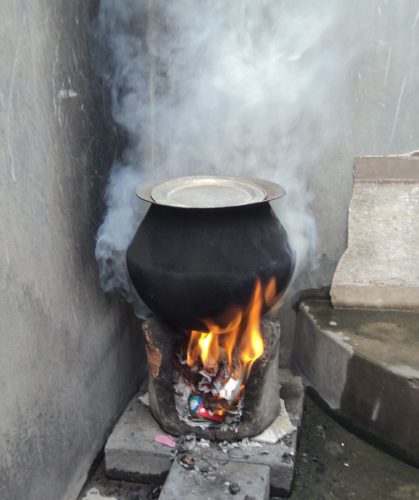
pixel 212 367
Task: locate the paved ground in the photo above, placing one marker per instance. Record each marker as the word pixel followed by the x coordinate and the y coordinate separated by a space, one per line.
pixel 332 464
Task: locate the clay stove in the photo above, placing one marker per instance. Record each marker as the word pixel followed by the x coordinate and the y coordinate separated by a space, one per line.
pixel 210 260
pixel 220 384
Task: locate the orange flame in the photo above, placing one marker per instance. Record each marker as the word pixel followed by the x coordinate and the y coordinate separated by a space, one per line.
pixel 251 346
pixel 240 342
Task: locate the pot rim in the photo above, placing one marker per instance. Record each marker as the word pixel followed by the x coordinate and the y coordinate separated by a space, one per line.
pixel 272 191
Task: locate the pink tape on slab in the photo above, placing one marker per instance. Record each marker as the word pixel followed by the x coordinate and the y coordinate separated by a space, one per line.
pixel 165 440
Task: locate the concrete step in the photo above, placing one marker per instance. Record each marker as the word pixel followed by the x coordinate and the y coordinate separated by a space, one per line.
pixel 365 365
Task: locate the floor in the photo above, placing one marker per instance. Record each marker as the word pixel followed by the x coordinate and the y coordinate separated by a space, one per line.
pixel 332 463
pixel 335 464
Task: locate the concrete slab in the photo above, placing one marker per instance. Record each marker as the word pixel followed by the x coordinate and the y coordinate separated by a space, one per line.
pixel 231 480
pixel 380 268
pixel 365 365
pixel 132 454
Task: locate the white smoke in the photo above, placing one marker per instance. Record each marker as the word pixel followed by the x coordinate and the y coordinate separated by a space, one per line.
pixel 217 87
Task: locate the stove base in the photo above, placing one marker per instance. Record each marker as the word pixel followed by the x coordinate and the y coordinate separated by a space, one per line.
pixel 132 454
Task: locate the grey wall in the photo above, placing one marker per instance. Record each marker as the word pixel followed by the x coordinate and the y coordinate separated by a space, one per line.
pixel 378 114
pixel 69 355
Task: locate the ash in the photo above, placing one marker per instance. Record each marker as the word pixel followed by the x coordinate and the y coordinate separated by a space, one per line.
pixel 207 400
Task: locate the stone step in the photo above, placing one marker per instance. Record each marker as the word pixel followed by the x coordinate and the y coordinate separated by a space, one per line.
pixel 365 365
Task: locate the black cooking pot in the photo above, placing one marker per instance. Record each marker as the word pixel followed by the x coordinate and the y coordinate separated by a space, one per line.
pixel 190 264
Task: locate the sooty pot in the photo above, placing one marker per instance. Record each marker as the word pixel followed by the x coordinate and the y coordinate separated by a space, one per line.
pixel 189 264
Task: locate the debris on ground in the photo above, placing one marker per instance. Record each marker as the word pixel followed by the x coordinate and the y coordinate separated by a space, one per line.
pixel 320 430
pixel 204 443
pixel 94 494
pixel 279 428
pixel 187 462
pixel 154 493
pixel 144 399
pixel 234 488
pixel 186 443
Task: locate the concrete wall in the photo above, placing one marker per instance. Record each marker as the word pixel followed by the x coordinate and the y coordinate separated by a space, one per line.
pixel 69 355
pixel 378 115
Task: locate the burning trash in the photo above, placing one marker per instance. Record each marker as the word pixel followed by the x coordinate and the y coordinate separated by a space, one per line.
pixel 197 407
pixel 212 367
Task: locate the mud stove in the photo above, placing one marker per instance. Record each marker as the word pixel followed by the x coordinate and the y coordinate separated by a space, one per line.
pixel 210 260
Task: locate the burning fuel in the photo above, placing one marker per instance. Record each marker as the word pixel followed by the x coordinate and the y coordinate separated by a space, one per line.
pixel 220 345
pixel 214 366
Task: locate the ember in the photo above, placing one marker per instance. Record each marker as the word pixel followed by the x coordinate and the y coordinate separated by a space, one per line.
pixel 214 366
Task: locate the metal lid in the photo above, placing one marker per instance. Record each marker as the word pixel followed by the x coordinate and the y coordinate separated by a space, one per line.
pixel 210 192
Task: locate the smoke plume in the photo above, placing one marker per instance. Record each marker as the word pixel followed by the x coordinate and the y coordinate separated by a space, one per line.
pixel 216 87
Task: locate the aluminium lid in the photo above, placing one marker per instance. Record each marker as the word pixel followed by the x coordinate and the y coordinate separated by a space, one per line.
pixel 205 191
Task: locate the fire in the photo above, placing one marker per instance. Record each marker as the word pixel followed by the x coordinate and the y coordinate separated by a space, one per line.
pixel 251 347
pixel 209 350
pixel 239 343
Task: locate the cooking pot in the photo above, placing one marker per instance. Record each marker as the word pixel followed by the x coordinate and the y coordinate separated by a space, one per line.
pixel 203 244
